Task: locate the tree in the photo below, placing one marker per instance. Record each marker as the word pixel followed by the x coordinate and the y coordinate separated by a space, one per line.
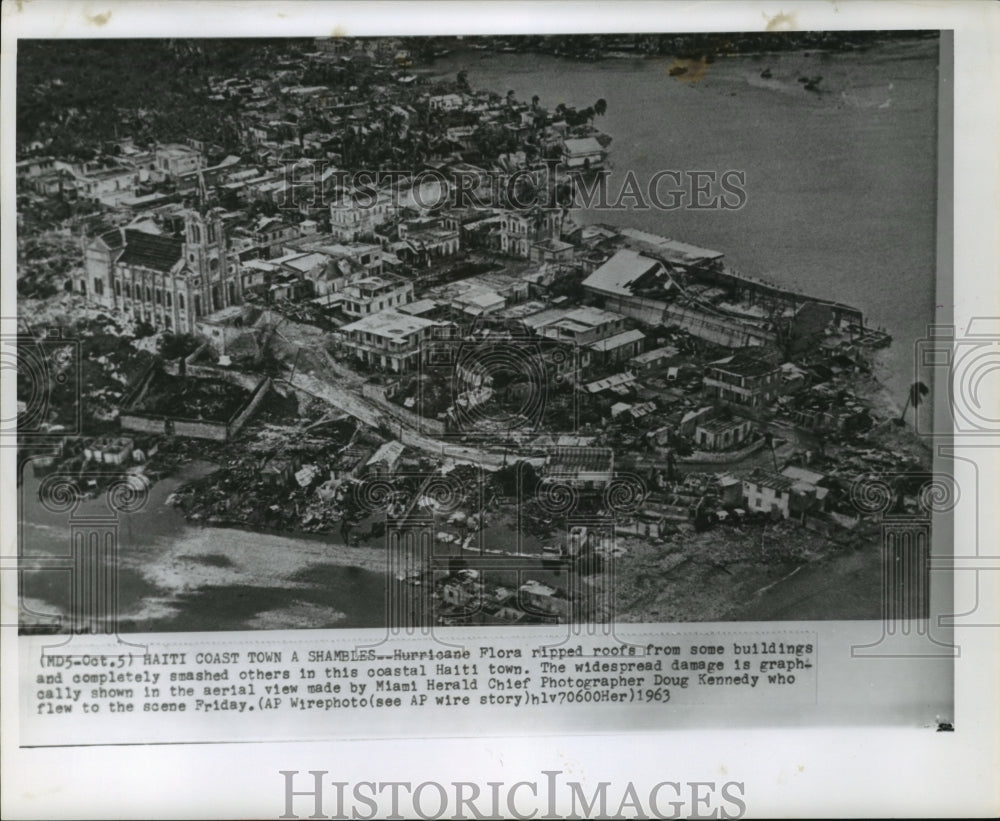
pixel 918 390
pixel 671 466
pixel 507 479
pixel 769 441
pixel 681 445
pixel 601 107
pixel 534 102
pixel 463 80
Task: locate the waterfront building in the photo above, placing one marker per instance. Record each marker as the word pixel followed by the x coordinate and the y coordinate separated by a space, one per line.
pixel 583 154
pixel 624 281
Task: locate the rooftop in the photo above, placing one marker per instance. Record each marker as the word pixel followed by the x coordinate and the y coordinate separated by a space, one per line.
pixel 108 173
pixel 618 340
pixel 543 317
pixel 744 364
pixel 610 382
pixel 572 460
pixel 621 271
pixel 176 149
pixel 592 316
pixel 421 306
pixel 112 238
pixel 720 424
pixel 389 323
pixel 376 283
pixel 305 262
pixel 151 251
pixel 656 354
pixel 766 478
pixel 674 251
pixel 583 145
pixel 798 474
pixel 553 244
pixel 479 299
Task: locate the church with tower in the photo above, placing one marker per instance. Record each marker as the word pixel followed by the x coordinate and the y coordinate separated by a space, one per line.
pixel 166 280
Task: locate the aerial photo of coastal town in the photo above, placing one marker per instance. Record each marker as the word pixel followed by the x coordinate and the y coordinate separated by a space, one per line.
pixel 356 332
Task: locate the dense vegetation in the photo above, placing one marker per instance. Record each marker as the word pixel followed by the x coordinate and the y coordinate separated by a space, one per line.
pixel 81 93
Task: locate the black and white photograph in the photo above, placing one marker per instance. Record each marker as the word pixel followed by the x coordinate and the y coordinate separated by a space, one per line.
pixel 553 328
pixel 447 410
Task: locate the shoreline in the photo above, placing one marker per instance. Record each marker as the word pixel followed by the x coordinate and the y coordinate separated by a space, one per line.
pixel 364 557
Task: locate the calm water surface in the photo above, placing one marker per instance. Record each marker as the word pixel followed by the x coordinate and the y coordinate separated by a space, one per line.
pixel 841 185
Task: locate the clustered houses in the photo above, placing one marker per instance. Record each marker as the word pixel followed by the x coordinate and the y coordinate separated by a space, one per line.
pixel 292 222
pixel 115 180
pixel 646 351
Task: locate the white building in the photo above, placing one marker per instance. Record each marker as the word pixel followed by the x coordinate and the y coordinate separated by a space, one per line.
pixel 175 159
pixel 584 153
pixel 390 340
pixel 374 294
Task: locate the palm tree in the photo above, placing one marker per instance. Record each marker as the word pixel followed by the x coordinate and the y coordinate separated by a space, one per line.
pixel 918 390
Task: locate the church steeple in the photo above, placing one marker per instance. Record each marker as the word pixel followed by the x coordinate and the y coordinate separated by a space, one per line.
pixel 203 195
pixel 207 258
pixel 205 241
